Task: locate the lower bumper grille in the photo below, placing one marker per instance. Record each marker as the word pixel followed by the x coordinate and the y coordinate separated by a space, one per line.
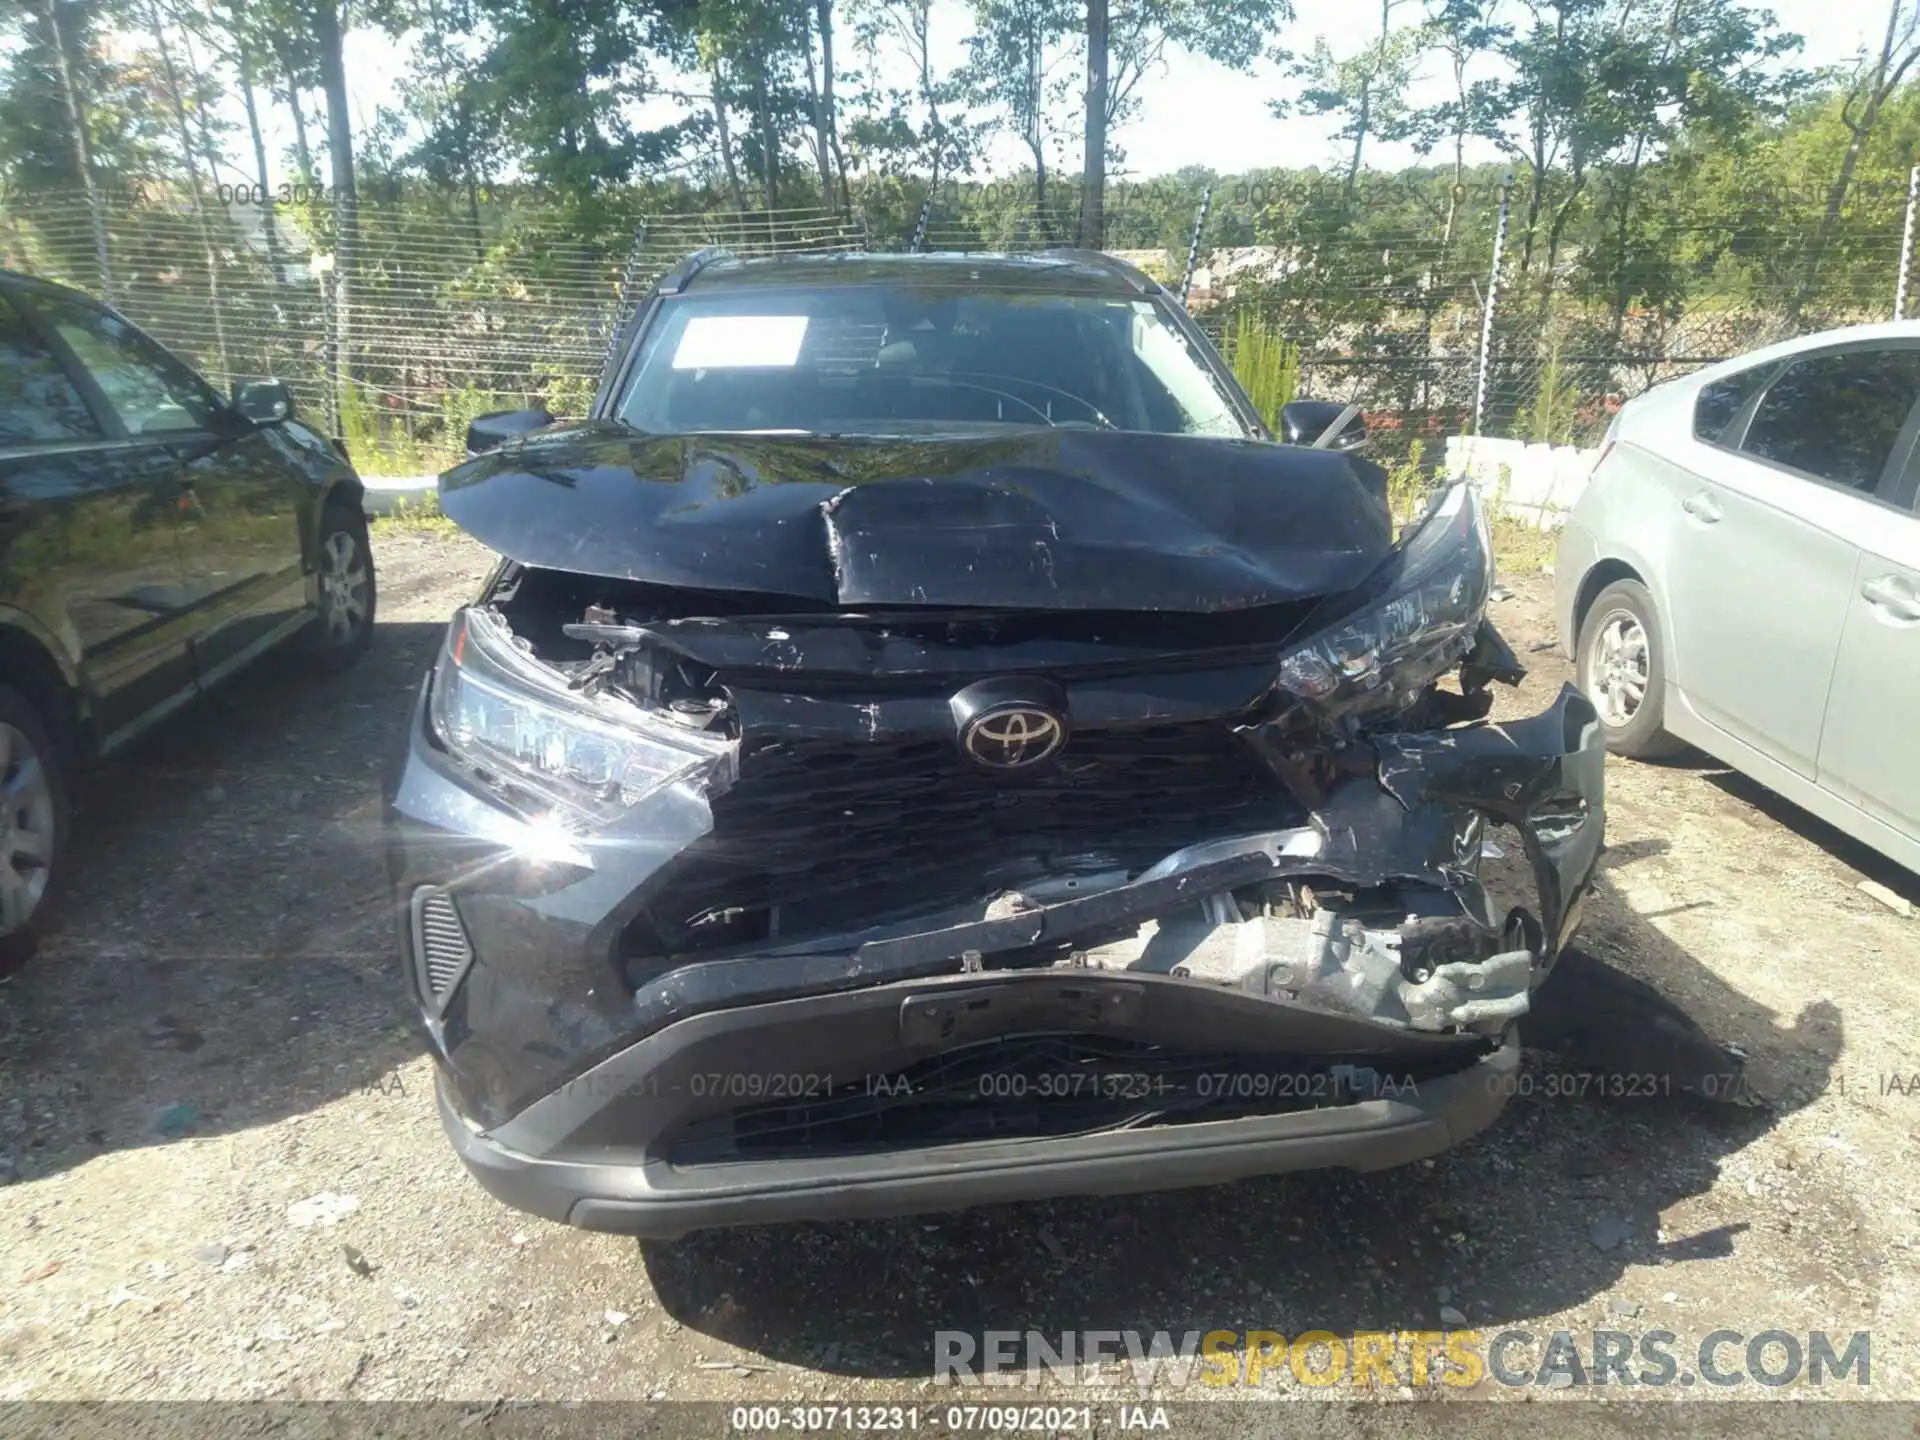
pixel 441 949
pixel 1022 1087
pixel 815 837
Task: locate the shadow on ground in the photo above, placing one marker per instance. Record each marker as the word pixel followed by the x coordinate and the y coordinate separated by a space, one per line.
pixel 225 954
pixel 1844 848
pixel 1808 826
pixel 1505 1222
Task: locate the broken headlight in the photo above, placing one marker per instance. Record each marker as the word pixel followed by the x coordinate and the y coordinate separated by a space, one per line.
pixel 500 709
pixel 1408 625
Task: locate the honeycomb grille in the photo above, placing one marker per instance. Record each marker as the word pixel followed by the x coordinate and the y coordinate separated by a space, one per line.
pixel 835 834
pixel 440 942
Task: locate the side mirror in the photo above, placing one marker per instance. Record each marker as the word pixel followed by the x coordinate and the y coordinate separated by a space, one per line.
pixel 489 432
pixel 264 402
pixel 1307 422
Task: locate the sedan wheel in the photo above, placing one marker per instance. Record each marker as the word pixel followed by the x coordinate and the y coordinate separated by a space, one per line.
pixel 28 829
pixel 1621 667
pixel 1623 671
pixel 345 588
pixel 33 824
pixel 344 625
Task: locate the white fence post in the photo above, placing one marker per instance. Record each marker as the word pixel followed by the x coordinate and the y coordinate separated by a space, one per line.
pixel 1493 289
pixel 1906 246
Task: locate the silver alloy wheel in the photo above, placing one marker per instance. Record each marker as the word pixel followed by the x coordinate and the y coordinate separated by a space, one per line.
pixel 1619 667
pixel 26 829
pixel 343 588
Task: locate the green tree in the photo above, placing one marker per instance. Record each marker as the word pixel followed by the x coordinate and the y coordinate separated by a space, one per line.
pixel 923 127
pixel 754 53
pixel 69 115
pixel 1369 87
pixel 1874 79
pixel 1126 40
pixel 1015 70
pixel 1598 84
pixel 1463 32
pixel 459 142
pixel 826 126
pixel 182 103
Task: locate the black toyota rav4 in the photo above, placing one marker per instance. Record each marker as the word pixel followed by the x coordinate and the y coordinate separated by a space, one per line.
pixel 926 744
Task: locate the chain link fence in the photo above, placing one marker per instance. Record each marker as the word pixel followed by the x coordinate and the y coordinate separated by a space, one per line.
pixel 1386 297
pixel 457 304
pixel 461 301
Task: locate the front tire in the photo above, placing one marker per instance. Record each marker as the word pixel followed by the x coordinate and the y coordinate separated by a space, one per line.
pixel 35 814
pixel 343 626
pixel 1623 671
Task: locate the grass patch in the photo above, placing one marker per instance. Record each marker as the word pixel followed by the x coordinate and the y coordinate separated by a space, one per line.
pixel 1520 547
pixel 1409 485
pixel 1552 418
pixel 1266 365
pixel 415 517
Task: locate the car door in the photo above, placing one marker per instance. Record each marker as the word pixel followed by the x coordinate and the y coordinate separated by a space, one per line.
pixel 239 499
pixel 89 557
pixel 1763 559
pixel 1868 753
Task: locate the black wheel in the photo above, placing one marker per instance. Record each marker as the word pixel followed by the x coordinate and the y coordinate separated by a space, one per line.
pixel 34 817
pixel 1623 671
pixel 343 627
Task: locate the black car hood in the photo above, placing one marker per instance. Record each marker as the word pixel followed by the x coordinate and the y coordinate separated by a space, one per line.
pixel 1050 520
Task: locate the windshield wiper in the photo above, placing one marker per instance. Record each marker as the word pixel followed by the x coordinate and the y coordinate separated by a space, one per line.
pixel 1099 415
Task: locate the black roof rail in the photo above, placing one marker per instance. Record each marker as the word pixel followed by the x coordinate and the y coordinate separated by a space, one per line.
pixel 1112 264
pixel 681 275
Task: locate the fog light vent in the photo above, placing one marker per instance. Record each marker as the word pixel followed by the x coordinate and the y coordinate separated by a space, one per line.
pixel 439 942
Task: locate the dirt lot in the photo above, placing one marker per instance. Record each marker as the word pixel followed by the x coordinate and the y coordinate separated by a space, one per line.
pixel 224 1177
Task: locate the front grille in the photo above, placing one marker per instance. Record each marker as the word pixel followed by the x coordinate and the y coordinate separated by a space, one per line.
pixel 440 943
pixel 816 837
pixel 1020 1088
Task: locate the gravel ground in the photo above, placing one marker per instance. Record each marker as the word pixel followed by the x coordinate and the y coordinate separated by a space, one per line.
pixel 225 1178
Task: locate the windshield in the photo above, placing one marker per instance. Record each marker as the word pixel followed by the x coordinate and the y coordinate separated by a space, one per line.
pixel 889 360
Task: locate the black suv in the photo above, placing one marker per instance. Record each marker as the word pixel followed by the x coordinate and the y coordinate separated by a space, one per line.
pixel 154 538
pixel 926 744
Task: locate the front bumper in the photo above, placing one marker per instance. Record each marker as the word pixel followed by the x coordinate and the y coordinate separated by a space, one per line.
pixel 571 1092
pixel 621 1187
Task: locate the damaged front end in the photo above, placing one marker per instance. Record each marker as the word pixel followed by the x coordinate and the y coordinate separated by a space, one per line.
pixel 879 856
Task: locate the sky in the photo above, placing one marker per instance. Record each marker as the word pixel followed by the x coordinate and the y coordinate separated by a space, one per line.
pixel 1192 111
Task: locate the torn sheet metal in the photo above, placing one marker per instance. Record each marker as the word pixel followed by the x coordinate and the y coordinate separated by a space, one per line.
pixel 1545 776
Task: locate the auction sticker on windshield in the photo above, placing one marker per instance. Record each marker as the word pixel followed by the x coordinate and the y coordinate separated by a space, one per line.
pixel 740 342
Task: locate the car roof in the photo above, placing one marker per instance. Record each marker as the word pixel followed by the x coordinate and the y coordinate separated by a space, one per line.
pixel 14 279
pixel 1078 272
pixel 1820 340
pixel 1678 394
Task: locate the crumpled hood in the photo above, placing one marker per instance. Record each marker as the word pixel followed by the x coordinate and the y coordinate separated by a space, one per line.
pixel 1052 519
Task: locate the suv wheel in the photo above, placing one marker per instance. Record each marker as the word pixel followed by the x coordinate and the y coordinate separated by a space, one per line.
pixel 33 825
pixel 344 626
pixel 1623 671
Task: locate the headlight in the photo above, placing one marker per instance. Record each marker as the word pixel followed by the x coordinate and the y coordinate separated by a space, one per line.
pixel 1408 625
pixel 499 709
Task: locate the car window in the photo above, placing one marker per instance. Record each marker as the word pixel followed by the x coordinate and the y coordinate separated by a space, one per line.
pixel 150 391
pixel 1718 403
pixel 38 403
pixel 1837 416
pixel 898 359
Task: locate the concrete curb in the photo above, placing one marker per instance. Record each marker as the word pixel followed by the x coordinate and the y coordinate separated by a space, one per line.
pixel 387 493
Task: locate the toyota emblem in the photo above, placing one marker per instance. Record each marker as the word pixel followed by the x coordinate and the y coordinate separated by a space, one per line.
pixel 1012 736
